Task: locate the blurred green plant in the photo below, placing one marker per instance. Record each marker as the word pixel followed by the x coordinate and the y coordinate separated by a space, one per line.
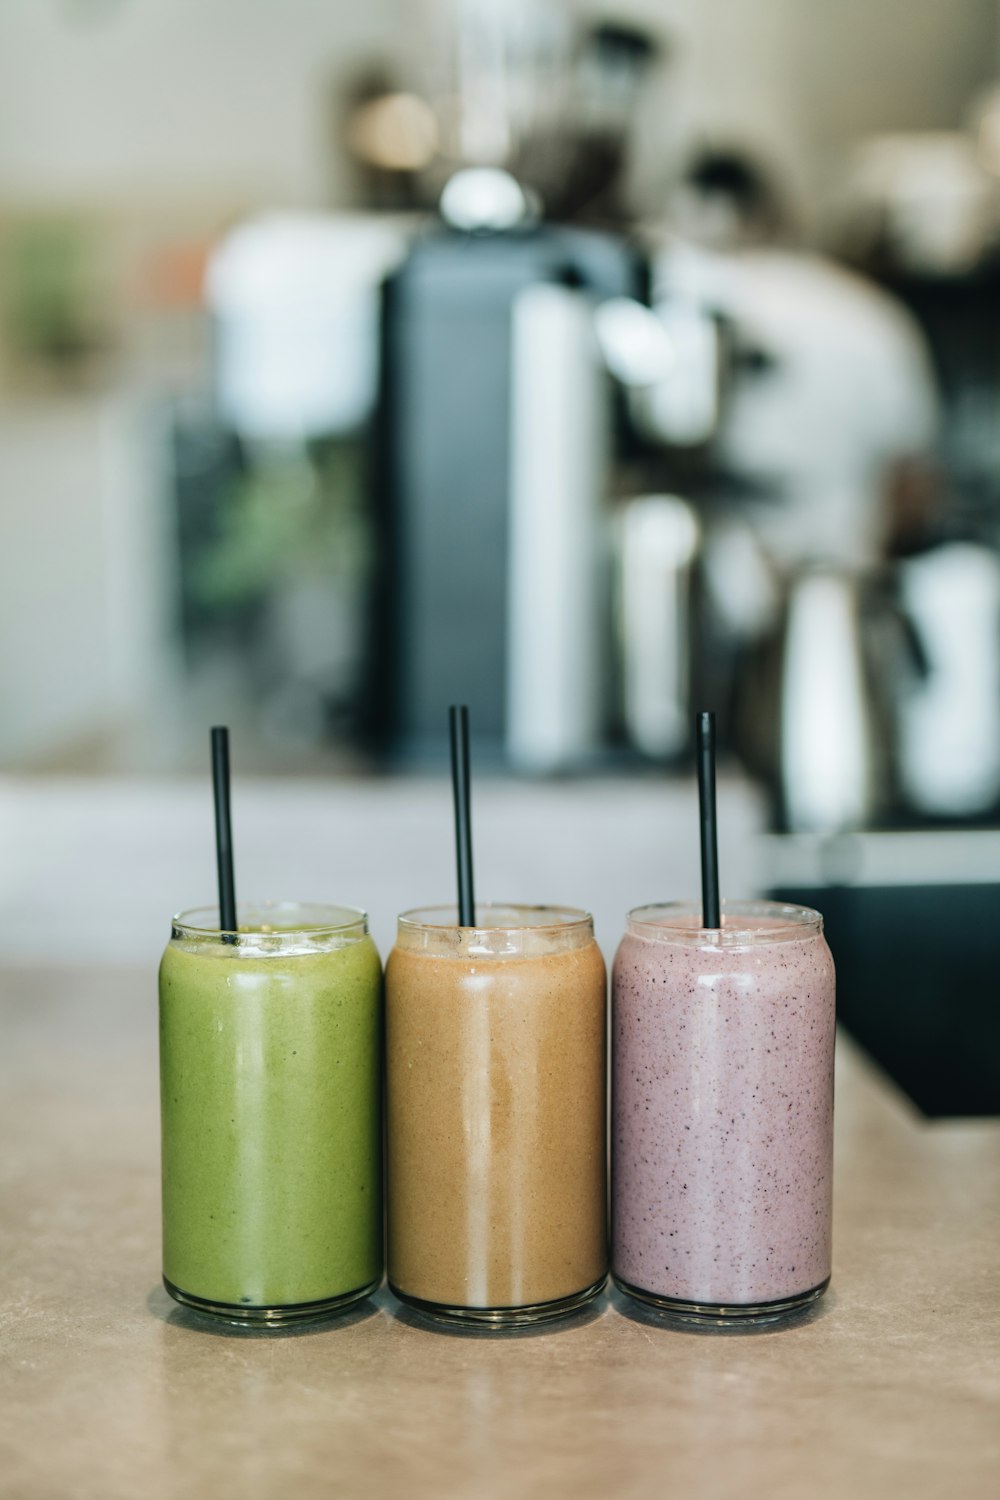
pixel 46 271
pixel 293 516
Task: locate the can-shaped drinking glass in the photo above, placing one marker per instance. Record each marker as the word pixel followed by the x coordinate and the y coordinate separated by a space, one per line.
pixel 722 1110
pixel 495 1078
pixel 270 1063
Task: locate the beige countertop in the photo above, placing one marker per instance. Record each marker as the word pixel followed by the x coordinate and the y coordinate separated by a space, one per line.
pixel 107 1389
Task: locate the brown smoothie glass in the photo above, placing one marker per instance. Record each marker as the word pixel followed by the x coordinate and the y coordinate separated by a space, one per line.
pixel 495 1079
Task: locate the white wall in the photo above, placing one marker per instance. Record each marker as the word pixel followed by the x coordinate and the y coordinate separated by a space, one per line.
pixel 85 575
pixel 176 96
pixel 806 80
pixel 54 679
pixel 182 98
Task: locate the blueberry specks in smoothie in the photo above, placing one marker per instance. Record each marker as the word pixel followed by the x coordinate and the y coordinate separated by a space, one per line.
pixel 726 1161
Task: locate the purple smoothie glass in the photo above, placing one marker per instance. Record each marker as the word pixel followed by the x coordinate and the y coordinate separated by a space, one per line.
pixel 722 1110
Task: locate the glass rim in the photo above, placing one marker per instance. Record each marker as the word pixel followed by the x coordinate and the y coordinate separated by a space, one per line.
pixel 329 919
pixel 563 918
pixel 777 921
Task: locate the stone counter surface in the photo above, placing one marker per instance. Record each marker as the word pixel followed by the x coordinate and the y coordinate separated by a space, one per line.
pixel 108 1391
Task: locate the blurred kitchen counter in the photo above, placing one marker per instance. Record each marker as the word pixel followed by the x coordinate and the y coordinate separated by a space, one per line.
pixel 93 868
pixel 108 1391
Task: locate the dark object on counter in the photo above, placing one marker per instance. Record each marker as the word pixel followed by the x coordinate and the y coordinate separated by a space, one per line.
pixel 917 985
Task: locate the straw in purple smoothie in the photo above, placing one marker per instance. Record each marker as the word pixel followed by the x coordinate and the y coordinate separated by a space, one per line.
pixel 705 741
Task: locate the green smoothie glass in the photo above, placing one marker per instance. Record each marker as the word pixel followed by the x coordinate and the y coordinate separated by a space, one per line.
pixel 270 1065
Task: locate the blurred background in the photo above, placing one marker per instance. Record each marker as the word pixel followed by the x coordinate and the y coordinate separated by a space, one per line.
pixel 588 364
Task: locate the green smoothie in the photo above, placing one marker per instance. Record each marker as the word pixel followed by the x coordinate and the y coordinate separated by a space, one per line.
pixel 270 1057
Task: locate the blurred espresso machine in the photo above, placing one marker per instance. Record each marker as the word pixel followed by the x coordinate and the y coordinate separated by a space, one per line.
pixel 497 426
pixel 496 440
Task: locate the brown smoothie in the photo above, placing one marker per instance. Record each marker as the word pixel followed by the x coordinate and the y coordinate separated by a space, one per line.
pixel 496 1111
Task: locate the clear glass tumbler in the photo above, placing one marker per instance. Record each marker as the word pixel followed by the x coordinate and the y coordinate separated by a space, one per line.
pixel 722 1110
pixel 495 1079
pixel 270 1061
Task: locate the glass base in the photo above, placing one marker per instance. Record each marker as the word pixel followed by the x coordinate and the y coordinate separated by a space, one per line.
pixel 272 1317
pixel 501 1317
pixel 723 1313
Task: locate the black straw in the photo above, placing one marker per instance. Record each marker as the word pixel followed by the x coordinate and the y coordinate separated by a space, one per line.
pixel 705 730
pixel 223 832
pixel 458 724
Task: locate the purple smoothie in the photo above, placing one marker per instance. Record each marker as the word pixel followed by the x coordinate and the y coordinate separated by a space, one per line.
pixel 722 1106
